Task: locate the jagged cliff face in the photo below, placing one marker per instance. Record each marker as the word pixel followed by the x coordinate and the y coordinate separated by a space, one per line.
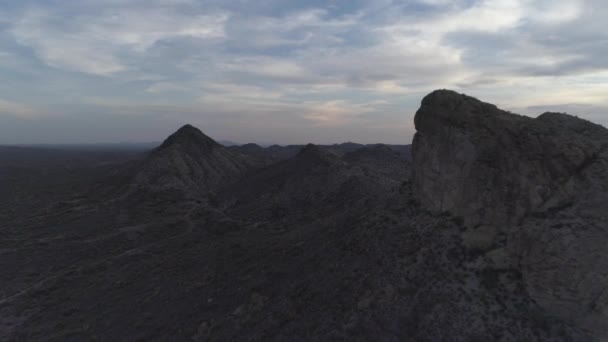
pixel 469 154
pixel 534 191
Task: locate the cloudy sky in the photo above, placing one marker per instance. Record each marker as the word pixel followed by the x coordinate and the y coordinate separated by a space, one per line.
pixel 278 71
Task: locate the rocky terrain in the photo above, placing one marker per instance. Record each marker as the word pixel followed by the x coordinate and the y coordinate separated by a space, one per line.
pixel 492 229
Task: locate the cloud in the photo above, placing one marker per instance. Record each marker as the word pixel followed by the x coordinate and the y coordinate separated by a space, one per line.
pixel 552 12
pixel 166 87
pixel 551 39
pixel 100 42
pixel 270 66
pixel 17 110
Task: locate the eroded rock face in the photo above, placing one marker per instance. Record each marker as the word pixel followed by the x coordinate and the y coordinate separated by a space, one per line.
pixel 469 154
pixel 541 183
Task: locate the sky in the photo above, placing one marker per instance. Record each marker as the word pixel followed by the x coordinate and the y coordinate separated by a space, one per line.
pixel 287 72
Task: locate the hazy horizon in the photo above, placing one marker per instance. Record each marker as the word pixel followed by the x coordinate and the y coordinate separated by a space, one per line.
pixel 158 142
pixel 287 72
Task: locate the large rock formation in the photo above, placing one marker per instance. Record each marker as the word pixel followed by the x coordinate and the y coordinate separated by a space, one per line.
pixel 533 191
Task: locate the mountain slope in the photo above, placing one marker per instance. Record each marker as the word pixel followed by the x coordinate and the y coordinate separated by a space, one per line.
pixel 315 182
pixel 191 163
pixel 381 159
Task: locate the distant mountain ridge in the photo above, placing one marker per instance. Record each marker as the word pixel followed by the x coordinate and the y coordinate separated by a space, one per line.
pixel 275 153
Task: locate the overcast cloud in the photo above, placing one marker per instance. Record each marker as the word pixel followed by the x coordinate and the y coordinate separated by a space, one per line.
pixel 287 71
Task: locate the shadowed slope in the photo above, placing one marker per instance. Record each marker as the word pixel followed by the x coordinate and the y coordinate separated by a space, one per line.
pixel 315 182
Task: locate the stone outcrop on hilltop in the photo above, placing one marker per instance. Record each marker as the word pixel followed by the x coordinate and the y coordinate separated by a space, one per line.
pixel 533 194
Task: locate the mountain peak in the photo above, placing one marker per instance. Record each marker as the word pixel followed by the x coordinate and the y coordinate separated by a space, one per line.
pixel 251 145
pixel 315 154
pixel 190 163
pixel 312 150
pixel 309 148
pixel 189 135
pixel 188 127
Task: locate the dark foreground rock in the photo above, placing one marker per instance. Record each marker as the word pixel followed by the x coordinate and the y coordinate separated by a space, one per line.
pixel 532 192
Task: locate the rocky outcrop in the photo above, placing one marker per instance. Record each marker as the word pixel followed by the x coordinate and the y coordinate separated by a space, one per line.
pixel 539 186
pixel 469 154
pixel 314 156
